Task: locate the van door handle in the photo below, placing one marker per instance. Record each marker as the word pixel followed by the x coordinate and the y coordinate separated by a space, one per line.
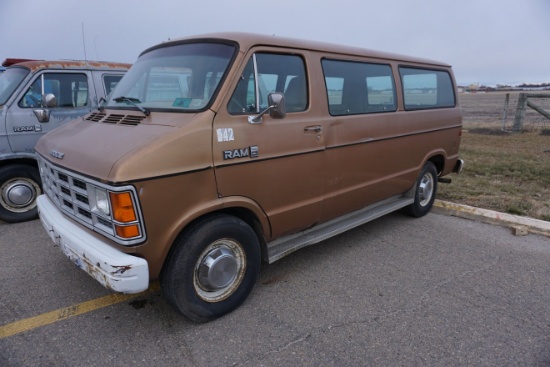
pixel 316 128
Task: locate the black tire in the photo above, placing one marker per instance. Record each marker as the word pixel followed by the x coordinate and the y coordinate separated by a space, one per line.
pixel 425 191
pixel 20 185
pixel 212 268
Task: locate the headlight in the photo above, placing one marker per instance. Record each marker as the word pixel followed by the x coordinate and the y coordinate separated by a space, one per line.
pixel 102 201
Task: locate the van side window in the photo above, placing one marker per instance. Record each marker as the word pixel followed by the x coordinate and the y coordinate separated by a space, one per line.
pixel 110 82
pixel 272 73
pixel 424 89
pixel 70 90
pixel 358 87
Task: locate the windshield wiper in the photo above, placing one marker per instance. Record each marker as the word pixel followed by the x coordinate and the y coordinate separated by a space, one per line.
pixel 133 101
pixel 101 106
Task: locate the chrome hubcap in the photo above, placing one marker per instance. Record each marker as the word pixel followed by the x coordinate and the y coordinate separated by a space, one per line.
pixel 425 189
pixel 219 270
pixel 19 195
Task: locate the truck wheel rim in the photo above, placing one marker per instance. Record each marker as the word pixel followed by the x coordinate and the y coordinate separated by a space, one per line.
pixel 219 270
pixel 425 189
pixel 19 194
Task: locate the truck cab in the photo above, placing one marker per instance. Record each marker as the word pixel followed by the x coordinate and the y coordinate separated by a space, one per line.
pixel 37 96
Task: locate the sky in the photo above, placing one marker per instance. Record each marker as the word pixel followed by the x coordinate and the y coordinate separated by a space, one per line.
pixel 486 41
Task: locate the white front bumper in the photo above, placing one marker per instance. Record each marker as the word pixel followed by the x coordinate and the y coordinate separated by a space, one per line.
pixel 114 269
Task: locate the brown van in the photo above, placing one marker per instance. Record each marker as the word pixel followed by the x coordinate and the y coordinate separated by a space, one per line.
pixel 216 152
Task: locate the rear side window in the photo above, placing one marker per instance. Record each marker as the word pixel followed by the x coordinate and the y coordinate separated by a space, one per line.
pixel 267 73
pixel 70 90
pixel 423 89
pixel 358 87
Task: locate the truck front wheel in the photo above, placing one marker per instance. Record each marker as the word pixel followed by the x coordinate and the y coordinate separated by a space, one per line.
pixel 212 268
pixel 19 188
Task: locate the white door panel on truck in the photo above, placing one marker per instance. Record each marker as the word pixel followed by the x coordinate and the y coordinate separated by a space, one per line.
pixel 73 100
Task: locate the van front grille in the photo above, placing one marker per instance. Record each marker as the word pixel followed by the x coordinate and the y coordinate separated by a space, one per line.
pixel 75 196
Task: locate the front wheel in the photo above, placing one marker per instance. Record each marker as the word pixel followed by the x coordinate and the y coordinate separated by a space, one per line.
pixel 425 190
pixel 212 268
pixel 19 188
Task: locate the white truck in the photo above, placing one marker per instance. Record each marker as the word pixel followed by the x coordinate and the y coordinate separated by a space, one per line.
pixel 36 96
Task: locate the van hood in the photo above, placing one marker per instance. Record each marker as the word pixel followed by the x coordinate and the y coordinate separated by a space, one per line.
pixel 161 144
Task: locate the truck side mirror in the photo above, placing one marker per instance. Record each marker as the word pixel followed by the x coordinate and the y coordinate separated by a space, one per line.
pixel 277 105
pixel 43 114
pixel 49 100
pixel 277 108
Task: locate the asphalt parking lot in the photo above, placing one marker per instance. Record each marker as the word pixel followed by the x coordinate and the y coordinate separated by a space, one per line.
pixel 434 291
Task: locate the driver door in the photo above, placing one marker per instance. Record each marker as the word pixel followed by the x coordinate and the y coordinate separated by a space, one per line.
pixel 278 163
pixel 73 95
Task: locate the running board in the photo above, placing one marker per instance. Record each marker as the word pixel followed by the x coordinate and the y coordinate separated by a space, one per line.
pixel 285 245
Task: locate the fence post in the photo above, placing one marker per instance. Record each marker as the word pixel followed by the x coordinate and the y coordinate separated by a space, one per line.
pixel 505 114
pixel 520 112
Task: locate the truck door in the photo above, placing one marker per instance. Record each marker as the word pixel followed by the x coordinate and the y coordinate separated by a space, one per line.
pixel 278 163
pixel 74 98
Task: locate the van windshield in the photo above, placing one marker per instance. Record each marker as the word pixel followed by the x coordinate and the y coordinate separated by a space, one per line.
pixel 9 81
pixel 183 77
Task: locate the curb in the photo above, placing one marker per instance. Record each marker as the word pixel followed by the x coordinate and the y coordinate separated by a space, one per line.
pixel 520 225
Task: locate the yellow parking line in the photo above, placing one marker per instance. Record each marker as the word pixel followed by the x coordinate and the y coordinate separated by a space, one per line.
pixel 74 310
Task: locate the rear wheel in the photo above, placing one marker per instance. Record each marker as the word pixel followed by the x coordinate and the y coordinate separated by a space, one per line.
pixel 425 191
pixel 212 268
pixel 19 188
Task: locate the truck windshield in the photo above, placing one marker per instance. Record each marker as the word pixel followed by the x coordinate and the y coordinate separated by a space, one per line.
pixel 182 77
pixel 9 81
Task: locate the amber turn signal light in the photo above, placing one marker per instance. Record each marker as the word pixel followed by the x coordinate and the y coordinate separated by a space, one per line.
pixel 127 231
pixel 122 207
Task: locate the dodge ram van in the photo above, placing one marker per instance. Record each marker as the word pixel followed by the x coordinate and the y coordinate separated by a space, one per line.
pixel 36 97
pixel 216 152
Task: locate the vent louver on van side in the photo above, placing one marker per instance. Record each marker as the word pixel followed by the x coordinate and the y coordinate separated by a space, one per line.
pixel 114 118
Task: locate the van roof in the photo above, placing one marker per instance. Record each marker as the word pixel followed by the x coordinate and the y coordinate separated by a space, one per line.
pixel 34 65
pixel 248 40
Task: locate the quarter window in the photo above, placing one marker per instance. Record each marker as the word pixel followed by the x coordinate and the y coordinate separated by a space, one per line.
pixel 358 87
pixel 423 89
pixel 110 82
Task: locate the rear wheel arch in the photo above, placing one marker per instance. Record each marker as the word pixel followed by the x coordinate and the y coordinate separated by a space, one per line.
pixel 439 162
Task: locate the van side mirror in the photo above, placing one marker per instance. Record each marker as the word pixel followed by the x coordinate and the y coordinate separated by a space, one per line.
pixel 49 100
pixel 43 114
pixel 277 104
pixel 277 108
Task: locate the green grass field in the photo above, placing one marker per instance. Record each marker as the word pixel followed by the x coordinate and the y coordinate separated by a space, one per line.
pixel 505 172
